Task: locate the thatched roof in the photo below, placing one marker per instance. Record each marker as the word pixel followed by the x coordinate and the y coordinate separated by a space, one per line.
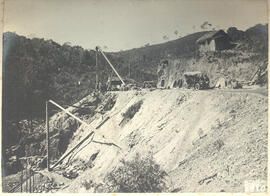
pixel 211 35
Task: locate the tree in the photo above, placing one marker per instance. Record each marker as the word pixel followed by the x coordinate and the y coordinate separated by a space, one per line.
pixel 165 37
pixel 205 25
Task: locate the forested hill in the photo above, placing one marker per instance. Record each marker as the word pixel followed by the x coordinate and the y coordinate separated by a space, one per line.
pixel 37 69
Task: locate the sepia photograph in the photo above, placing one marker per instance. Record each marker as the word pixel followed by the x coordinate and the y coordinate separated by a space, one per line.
pixel 134 96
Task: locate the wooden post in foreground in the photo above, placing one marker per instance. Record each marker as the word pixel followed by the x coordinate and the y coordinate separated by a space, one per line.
pixel 21 181
pixel 30 183
pixel 33 182
pixel 26 181
pixel 48 138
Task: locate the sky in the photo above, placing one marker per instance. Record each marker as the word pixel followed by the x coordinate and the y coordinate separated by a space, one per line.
pixel 127 24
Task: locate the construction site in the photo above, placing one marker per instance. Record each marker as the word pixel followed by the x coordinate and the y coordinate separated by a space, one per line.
pixel 134 97
pixel 194 126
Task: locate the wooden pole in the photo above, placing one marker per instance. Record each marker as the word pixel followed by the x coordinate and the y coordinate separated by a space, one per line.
pixel 111 65
pixel 26 181
pixel 30 184
pixel 129 70
pixel 33 182
pixel 48 138
pixel 22 181
pixel 96 69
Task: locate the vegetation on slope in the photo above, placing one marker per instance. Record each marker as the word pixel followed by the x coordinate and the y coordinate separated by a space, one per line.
pixel 139 175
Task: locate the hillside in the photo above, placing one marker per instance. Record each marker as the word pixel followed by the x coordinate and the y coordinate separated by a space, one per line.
pixel 220 135
pixel 254 39
pixel 35 70
pixel 148 57
pixel 186 131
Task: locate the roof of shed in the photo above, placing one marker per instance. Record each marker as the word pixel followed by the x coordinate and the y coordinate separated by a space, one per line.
pixel 211 35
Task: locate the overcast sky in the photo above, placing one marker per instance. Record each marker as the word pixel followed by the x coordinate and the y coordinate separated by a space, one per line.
pixel 126 24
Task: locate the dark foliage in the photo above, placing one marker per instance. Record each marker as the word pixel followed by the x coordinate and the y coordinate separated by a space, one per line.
pixel 254 39
pixel 132 110
pixel 139 175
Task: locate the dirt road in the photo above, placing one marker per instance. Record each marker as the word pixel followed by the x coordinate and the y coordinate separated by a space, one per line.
pixel 259 90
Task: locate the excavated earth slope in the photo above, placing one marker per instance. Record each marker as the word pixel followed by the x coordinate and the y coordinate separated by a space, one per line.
pixel 210 141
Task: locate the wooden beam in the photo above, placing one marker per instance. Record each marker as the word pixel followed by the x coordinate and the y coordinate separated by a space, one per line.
pixel 111 65
pixel 47 136
pixel 71 150
pixel 72 115
pixel 84 139
pixel 80 143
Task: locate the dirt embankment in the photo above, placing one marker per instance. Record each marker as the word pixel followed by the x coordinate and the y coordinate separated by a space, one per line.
pixel 205 140
pixel 229 64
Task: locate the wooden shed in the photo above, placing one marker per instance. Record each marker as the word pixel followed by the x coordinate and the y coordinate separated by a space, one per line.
pixel 214 41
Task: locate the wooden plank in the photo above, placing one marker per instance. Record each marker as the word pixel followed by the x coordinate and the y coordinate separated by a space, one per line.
pixel 107 118
pixel 71 150
pixel 80 143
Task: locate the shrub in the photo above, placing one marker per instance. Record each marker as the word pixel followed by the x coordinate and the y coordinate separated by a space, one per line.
pixel 132 110
pixel 141 174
